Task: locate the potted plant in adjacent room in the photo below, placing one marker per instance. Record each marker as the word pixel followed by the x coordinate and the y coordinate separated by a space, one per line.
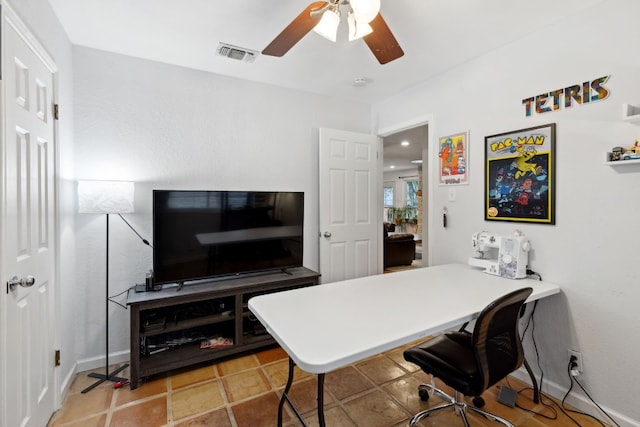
pixel 397 214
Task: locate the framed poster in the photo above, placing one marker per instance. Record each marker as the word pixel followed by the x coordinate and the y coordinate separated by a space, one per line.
pixel 453 155
pixel 519 175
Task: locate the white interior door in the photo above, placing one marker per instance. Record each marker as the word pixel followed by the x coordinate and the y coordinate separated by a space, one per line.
pixel 349 227
pixel 27 327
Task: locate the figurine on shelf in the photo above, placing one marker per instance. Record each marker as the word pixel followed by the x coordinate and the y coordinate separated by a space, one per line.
pixel 616 154
pixel 632 153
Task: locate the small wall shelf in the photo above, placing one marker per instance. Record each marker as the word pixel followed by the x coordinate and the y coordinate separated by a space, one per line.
pixel 619 162
pixel 631 113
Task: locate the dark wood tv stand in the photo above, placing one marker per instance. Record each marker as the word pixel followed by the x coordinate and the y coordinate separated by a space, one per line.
pixel 167 326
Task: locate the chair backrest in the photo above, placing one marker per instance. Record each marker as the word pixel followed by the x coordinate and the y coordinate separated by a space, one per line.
pixel 496 338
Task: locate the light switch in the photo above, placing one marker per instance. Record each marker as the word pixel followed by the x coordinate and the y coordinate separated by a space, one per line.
pixel 452 194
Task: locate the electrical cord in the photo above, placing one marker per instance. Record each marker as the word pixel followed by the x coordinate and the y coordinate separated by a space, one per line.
pixel 572 379
pixel 533 273
pixel 145 241
pixel 547 406
pixel 554 412
pixel 561 406
pixel 111 298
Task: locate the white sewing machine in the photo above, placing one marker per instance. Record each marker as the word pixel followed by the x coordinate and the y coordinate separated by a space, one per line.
pixel 505 256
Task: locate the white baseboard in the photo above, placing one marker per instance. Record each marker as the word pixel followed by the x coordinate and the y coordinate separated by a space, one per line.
pixel 66 382
pixel 577 401
pixel 88 365
pixel 98 362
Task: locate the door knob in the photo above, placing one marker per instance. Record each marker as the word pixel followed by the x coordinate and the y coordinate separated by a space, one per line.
pixel 327 234
pixel 25 282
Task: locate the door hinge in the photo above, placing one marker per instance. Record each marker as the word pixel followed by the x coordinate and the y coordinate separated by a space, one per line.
pixel 55 112
pixel 57 358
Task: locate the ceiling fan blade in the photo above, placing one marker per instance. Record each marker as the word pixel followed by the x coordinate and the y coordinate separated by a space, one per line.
pixel 382 42
pixel 295 31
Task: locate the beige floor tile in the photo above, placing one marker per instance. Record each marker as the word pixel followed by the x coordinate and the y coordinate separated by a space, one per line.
pixel 380 369
pixel 346 382
pixel 192 376
pixel 333 417
pixel 95 421
pixel 197 399
pixel 375 409
pixel 271 355
pixel 398 357
pixel 245 384
pixel 405 391
pixel 79 405
pixel 304 395
pixel 151 388
pixel 217 418
pixel 259 412
pixel 152 413
pixel 239 364
pixel 278 373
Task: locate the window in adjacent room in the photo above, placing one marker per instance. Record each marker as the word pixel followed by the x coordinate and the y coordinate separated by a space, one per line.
pixel 412 192
pixel 388 194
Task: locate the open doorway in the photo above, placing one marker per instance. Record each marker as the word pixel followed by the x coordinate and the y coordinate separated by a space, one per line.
pixel 404 154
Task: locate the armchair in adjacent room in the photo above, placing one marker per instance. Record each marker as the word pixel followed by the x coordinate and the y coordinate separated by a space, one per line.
pixel 399 249
pixel 470 363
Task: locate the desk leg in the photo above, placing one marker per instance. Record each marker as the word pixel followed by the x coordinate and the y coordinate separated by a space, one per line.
pixel 285 398
pixel 285 395
pixel 321 400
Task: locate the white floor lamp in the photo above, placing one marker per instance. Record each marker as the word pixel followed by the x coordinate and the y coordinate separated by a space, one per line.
pixel 105 197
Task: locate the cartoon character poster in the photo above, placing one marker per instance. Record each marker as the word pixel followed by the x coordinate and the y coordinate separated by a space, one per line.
pixel 519 175
pixel 453 159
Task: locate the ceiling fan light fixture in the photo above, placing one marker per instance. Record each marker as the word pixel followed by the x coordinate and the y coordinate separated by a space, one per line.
pixel 357 29
pixel 365 10
pixel 328 25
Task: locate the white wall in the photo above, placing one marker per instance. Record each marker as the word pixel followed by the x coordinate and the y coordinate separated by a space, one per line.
pixel 41 20
pixel 167 127
pixel 592 251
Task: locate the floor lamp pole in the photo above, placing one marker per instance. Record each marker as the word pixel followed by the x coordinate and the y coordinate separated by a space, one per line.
pixel 106 376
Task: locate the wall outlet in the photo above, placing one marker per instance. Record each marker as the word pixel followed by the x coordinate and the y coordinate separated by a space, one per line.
pixel 578 360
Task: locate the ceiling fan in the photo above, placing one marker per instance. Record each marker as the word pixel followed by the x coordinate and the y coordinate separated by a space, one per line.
pixel 363 17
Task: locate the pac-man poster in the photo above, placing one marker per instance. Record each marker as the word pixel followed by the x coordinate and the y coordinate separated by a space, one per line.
pixel 519 175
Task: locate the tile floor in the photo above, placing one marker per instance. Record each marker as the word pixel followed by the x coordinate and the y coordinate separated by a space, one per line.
pixel 243 392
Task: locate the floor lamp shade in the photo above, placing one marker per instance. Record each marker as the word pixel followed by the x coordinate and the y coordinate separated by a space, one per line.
pixel 105 197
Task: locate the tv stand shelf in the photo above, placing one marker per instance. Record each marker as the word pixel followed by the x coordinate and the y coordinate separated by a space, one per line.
pixel 167 326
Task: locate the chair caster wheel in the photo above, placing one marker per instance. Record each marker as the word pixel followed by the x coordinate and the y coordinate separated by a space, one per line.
pixel 478 402
pixel 423 392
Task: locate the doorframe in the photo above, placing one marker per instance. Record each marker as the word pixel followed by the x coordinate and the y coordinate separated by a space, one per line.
pixel 427 176
pixel 8 16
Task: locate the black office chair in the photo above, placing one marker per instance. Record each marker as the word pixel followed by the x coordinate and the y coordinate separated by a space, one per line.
pixel 470 363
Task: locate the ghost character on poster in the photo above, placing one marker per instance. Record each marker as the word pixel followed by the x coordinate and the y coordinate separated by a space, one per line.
pixel 453 159
pixel 519 175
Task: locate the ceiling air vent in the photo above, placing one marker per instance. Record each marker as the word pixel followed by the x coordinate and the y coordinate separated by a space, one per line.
pixel 235 52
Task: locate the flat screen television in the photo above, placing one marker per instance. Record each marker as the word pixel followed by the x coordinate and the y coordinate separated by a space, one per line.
pixel 210 234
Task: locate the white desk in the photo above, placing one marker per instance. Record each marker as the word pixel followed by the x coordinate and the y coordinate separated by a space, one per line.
pixel 326 327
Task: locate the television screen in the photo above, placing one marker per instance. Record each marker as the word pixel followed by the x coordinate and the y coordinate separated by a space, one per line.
pixel 206 234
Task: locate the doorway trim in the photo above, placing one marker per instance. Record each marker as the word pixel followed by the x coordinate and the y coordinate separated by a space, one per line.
pixel 427 175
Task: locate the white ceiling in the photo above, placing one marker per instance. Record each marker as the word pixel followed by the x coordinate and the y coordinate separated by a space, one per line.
pixel 435 35
pixel 399 157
